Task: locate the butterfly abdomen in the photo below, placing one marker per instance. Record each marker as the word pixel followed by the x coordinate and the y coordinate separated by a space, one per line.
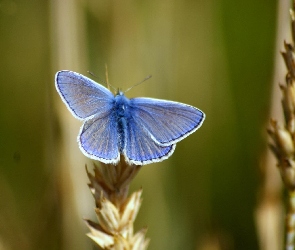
pixel 122 113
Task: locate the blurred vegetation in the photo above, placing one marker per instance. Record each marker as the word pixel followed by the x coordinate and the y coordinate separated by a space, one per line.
pixel 215 55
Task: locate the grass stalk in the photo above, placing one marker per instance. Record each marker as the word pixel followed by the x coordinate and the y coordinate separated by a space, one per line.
pixel 115 210
pixel 283 137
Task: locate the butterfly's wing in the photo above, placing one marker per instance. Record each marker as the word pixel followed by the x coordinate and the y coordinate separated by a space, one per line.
pixel 83 96
pixel 140 148
pixel 93 103
pixel 167 122
pixel 98 138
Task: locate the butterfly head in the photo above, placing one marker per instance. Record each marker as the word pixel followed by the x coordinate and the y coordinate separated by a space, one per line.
pixel 120 97
pixel 119 92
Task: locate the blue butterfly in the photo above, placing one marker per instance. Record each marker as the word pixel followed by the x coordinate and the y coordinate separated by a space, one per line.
pixel 144 130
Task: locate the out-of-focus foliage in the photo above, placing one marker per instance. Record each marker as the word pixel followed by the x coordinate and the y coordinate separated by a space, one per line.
pixel 215 55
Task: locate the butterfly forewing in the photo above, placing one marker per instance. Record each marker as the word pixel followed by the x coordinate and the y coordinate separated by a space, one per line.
pixel 140 148
pixel 81 95
pixel 98 138
pixel 168 122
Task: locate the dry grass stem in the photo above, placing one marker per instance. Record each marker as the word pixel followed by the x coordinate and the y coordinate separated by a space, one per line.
pixel 283 137
pixel 115 211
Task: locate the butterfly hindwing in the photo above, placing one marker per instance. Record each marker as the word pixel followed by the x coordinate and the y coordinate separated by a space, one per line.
pixel 98 138
pixel 140 148
pixel 82 96
pixel 168 122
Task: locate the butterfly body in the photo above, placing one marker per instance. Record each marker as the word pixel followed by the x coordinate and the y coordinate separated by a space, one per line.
pixel 143 130
pixel 121 113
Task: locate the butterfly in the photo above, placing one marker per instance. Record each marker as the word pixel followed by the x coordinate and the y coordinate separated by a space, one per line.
pixel 143 130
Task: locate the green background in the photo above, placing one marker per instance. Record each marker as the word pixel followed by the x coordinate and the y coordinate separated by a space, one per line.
pixel 215 55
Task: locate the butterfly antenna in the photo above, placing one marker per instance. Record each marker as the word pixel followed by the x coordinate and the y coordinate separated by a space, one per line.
pixel 91 73
pixel 148 77
pixel 102 81
pixel 107 79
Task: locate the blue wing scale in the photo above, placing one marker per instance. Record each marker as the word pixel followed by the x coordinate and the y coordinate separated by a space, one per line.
pixel 140 148
pixel 98 139
pixel 83 96
pixel 168 122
